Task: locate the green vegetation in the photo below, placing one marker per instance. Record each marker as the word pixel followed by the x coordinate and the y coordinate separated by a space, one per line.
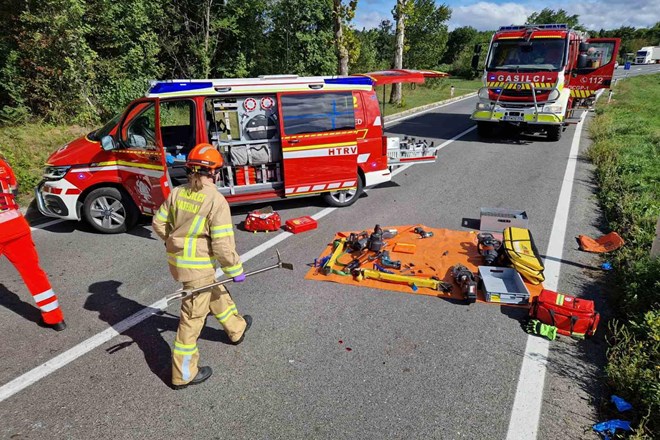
pixel 626 151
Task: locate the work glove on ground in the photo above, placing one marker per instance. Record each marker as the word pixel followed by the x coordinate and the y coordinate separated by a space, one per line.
pixel 536 327
pixel 240 278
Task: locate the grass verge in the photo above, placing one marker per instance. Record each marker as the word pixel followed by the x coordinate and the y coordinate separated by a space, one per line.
pixel 27 147
pixel 626 151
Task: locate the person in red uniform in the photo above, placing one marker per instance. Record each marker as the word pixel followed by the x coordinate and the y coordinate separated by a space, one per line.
pixel 17 245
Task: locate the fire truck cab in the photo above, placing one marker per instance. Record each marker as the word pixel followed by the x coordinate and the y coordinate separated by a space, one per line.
pixel 536 74
pixel 281 136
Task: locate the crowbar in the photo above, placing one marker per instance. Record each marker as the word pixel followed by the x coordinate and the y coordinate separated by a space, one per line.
pixel 185 293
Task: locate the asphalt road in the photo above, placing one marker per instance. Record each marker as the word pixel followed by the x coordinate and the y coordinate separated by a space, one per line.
pixel 636 69
pixel 419 367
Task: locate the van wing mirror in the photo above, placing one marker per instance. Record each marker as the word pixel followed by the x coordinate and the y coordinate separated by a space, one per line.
pixel 108 143
pixel 582 61
pixel 584 47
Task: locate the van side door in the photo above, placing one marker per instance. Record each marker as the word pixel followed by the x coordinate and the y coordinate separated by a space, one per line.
pixel 597 71
pixel 319 142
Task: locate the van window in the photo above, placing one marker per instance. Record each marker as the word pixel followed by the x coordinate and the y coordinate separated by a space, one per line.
pixel 318 112
pixel 177 125
pixel 140 132
pixel 599 54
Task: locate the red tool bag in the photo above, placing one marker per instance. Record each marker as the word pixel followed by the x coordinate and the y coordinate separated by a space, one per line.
pixel 572 316
pixel 263 220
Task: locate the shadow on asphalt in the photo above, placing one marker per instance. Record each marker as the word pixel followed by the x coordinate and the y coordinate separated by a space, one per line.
pixel 13 302
pixel 113 308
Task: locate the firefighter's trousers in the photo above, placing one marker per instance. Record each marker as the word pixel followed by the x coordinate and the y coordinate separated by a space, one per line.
pixel 194 310
pixel 23 255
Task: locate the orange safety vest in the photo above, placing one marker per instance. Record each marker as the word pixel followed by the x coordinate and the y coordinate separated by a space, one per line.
pixel 12 222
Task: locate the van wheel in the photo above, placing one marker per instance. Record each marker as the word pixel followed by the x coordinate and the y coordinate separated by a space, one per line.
pixel 347 197
pixel 554 132
pixel 110 211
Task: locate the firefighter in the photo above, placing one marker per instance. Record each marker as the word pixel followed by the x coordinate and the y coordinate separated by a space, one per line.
pixel 17 245
pixel 196 225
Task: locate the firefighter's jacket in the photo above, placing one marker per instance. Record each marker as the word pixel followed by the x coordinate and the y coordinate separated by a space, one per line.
pixel 198 231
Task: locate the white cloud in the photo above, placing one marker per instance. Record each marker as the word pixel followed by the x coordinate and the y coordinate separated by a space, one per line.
pixel 488 15
pixel 370 19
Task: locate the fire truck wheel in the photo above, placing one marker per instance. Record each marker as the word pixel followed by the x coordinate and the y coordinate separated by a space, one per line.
pixel 554 132
pixel 109 210
pixel 485 129
pixel 344 198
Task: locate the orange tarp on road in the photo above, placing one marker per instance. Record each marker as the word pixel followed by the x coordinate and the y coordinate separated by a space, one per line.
pixel 434 256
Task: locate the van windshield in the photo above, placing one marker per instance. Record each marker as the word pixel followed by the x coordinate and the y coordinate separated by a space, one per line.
pixel 534 55
pixel 97 135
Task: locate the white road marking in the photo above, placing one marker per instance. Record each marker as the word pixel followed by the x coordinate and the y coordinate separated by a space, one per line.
pixel 526 413
pixel 25 380
pixel 46 224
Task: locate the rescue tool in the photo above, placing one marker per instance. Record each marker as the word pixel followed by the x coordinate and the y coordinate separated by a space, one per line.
pixel 184 293
pixel 431 283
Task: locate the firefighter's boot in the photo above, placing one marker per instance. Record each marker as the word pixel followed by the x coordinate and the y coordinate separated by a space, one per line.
pixel 203 374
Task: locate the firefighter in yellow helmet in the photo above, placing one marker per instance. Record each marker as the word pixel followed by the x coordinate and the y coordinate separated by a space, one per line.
pixel 196 225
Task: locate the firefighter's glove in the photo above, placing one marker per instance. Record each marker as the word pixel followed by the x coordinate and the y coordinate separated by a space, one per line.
pixel 536 327
pixel 240 278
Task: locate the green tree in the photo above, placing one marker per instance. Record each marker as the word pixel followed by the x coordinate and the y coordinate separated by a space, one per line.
pixel 302 37
pixel 127 54
pixel 384 44
pixel 368 59
pixel 55 60
pixel 426 34
pixel 549 16
pixel 458 40
pixel 342 14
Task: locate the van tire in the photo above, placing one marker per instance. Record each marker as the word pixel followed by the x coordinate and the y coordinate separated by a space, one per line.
pixel 340 199
pixel 554 132
pixel 110 210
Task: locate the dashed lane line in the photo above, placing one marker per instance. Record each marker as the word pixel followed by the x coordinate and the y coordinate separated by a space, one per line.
pixel 526 413
pixel 61 360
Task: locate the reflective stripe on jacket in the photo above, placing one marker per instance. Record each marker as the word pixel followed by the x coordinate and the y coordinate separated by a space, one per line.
pixel 198 231
pixel 12 222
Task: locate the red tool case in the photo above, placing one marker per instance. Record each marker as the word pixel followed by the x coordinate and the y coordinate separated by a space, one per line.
pixel 301 224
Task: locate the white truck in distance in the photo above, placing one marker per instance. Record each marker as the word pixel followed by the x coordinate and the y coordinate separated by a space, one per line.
pixel 648 55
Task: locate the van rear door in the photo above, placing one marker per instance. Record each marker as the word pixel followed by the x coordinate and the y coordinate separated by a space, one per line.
pixel 319 142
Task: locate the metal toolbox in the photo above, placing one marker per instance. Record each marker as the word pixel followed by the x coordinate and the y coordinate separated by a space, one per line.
pixel 498 219
pixel 503 285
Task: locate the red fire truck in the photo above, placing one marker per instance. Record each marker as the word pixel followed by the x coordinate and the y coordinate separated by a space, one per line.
pixel 281 136
pixel 537 74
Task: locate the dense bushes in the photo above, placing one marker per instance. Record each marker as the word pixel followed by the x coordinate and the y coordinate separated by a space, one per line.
pixel 626 151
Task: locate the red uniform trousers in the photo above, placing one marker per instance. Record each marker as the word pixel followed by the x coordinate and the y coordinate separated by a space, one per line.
pixel 23 255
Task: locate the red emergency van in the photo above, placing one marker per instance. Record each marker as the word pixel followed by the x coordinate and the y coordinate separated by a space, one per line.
pixel 282 136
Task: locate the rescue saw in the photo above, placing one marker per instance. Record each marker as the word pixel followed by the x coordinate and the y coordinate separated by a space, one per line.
pixel 185 293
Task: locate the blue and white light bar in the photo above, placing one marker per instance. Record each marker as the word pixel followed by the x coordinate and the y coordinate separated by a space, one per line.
pixel 178 86
pixel 352 81
pixel 549 27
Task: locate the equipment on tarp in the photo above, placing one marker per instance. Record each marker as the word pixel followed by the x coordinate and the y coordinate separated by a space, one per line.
pixel 357 241
pixel 465 278
pixel 185 293
pixel 519 247
pixel 338 249
pixel 404 248
pixel 489 247
pixel 422 232
pixel 376 242
pixel 264 219
pixel 431 283
pixel 607 243
pixel 572 316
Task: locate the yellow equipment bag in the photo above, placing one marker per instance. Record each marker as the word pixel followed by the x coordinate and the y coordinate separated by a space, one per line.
pixel 519 247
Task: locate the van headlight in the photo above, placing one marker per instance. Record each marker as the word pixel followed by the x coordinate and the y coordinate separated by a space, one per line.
pixel 554 95
pixel 55 173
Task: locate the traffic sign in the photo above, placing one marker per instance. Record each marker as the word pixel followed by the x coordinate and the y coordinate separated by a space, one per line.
pixel 627 66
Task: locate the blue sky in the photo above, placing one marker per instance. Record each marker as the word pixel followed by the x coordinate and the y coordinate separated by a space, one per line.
pixel 490 14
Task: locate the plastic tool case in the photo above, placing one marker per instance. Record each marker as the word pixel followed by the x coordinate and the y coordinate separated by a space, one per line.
pixel 503 285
